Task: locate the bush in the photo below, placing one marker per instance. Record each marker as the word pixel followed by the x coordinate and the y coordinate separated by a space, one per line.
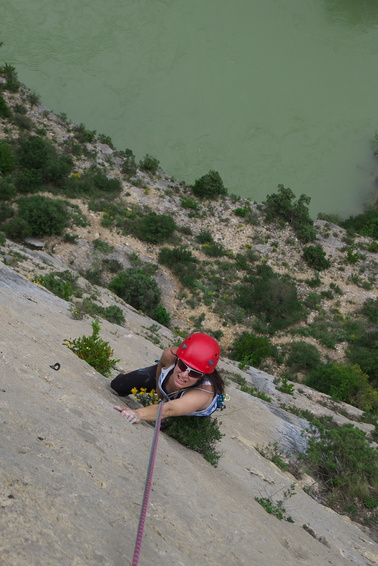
pixel 271 297
pixel 303 357
pixel 2 239
pixel 345 462
pixel 153 228
pixel 7 159
pixel 17 229
pixel 6 211
pixel 63 284
pixel 92 184
pixel 149 164
pixel 365 224
pixel 7 190
pixel 44 215
pixel 347 383
pixel 363 350
pixel 39 154
pixel 197 433
pixel 95 351
pixel 370 309
pixel 138 289
pixel 4 110
pixel 250 349
pixel 113 313
pixel 161 315
pixel 129 166
pixel 281 206
pixel 315 257
pixel 209 186
pixel 182 263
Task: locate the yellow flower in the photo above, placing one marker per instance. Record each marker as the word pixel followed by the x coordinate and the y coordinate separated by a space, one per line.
pixel 134 391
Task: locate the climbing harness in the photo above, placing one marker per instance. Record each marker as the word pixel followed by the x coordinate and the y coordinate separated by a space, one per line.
pixel 147 488
pixel 220 402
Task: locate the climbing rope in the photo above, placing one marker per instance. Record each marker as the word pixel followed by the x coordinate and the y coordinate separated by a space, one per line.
pixel 147 488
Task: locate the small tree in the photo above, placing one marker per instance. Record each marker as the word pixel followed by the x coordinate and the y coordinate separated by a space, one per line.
pixel 209 186
pixel 315 257
pixel 138 289
pixel 44 215
pixel 250 349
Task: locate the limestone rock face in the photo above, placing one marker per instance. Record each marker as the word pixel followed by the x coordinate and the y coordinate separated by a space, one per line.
pixel 73 471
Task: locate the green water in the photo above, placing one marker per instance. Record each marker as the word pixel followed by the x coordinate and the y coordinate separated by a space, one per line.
pixel 264 91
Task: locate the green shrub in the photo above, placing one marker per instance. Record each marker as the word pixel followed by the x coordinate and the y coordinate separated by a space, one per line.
pixel 138 289
pixel 153 228
pixel 281 206
pixel 215 249
pixel 190 204
pixel 92 184
pixel 365 224
pixel 347 383
pixel 209 186
pixel 250 349
pixel 182 263
pixel 7 189
pixel 6 211
pixel 63 283
pixel 345 462
pixel 2 239
pixel 363 350
pixel 17 229
pixel 9 72
pixel 315 257
pixel 149 164
pixel 205 237
pixel 197 433
pixel 161 315
pixel 95 351
pixel 303 357
pixel 271 297
pixel 4 110
pixel 370 309
pixel 7 159
pixel 28 181
pixel 242 211
pixel 113 313
pixel 112 265
pixel 44 215
pixel 39 154
pixel 129 166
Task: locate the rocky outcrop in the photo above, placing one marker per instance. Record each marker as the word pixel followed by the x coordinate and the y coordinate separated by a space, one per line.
pixel 73 471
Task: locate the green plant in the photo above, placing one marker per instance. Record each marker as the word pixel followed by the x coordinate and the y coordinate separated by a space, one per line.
pixel 45 216
pixel 271 297
pixel 4 109
pixel 144 397
pixel 345 462
pixel 281 206
pixel 197 433
pixel 161 315
pixel 273 453
pixel 277 508
pixel 136 288
pixel 315 257
pixel 370 309
pixel 129 166
pixel 346 383
pixel 302 357
pixel 95 351
pixel 152 227
pixel 61 283
pixel 250 349
pixel 2 239
pixel 102 247
pixel 182 263
pixel 190 203
pixel 7 159
pixel 209 186
pixel 149 164
pixel 112 313
pixel 6 211
pixel 286 386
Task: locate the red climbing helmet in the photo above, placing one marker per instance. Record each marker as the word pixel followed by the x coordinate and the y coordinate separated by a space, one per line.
pixel 200 351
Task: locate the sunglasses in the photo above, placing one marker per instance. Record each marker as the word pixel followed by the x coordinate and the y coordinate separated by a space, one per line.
pixel 191 372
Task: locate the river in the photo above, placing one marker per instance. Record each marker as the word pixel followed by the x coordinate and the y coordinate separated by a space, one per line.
pixel 263 91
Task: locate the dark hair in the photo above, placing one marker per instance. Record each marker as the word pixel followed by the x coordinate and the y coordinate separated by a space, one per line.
pixel 216 381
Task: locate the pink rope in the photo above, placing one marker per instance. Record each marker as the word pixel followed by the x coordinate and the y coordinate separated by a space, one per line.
pixel 147 488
